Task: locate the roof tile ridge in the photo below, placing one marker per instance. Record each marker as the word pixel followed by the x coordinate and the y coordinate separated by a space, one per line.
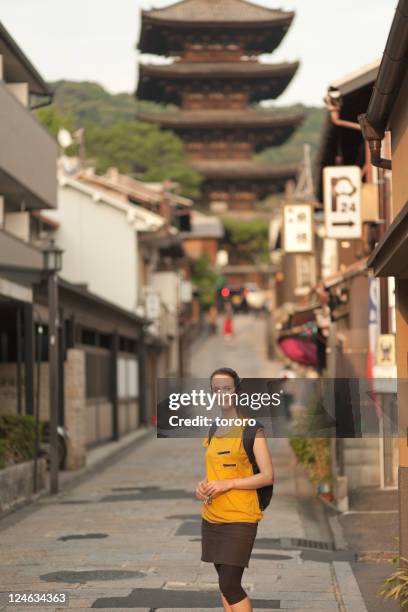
pixel 165 8
pixel 267 9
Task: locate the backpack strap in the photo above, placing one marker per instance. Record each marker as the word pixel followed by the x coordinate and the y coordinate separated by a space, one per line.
pixel 264 493
pixel 248 442
pixel 211 432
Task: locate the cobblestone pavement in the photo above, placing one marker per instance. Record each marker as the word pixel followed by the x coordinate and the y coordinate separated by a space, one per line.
pixel 129 536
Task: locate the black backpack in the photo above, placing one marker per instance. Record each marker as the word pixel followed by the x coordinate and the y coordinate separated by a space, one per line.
pixel 248 438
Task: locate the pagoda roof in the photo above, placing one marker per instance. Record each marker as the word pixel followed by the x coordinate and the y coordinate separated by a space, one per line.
pixel 212 15
pixel 244 169
pixel 267 81
pixel 266 128
pixel 227 119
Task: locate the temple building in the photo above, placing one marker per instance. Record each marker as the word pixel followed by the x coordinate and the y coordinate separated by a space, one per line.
pixel 216 80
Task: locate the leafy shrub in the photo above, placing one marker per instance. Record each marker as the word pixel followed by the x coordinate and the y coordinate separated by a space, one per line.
pixel 3 453
pixel 250 238
pixel 396 586
pixel 313 452
pixel 303 450
pixel 17 438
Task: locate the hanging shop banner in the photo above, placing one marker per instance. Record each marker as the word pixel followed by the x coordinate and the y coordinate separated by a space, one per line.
pixel 186 291
pixel 342 201
pixel 298 228
pixel 385 354
pixel 152 305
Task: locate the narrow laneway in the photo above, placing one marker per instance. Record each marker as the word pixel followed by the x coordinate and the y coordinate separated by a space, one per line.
pixel 129 537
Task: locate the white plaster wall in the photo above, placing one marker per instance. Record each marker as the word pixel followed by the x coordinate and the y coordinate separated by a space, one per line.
pixel 100 246
pixel 362 462
pixel 21 91
pixel 168 285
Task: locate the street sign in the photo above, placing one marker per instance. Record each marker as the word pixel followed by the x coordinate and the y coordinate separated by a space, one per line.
pixel 342 201
pixel 298 228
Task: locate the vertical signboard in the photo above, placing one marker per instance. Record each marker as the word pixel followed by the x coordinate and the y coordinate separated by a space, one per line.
pixel 298 228
pixel 342 201
pixel 152 303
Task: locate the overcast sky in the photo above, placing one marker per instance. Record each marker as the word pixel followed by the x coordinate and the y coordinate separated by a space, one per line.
pixel 95 39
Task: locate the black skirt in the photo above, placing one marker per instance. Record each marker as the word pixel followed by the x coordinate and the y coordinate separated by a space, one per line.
pixel 227 543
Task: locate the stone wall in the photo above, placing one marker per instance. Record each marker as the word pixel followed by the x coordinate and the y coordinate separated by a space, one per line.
pixel 16 483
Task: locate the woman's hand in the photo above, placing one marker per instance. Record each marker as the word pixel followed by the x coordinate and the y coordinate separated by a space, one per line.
pixel 218 487
pixel 200 492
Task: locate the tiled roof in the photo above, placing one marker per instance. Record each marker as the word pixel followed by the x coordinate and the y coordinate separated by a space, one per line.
pixel 205 11
pixel 266 81
pixel 244 169
pixel 355 269
pixel 135 189
pixel 212 70
pixel 224 118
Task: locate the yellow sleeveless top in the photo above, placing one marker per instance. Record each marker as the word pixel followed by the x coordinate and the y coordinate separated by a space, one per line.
pixel 226 458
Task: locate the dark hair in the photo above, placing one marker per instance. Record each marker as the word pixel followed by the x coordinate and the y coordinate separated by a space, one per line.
pixel 227 372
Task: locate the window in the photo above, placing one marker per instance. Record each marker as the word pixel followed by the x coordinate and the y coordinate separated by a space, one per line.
pixel 128 381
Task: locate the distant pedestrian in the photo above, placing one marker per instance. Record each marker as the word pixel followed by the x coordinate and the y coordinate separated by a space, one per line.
pixel 228 328
pixel 212 316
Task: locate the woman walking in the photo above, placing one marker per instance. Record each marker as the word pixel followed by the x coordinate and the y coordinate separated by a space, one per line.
pixel 231 509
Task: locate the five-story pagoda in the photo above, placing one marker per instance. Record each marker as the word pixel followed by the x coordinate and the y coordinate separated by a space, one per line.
pixel 215 80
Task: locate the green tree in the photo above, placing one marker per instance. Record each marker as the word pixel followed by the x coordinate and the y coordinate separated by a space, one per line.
pixel 143 151
pixel 138 149
pixel 250 238
pixel 89 102
pixel 54 120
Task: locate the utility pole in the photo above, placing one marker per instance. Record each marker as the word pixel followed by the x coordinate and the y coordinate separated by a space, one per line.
pixel 52 257
pixel 54 382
